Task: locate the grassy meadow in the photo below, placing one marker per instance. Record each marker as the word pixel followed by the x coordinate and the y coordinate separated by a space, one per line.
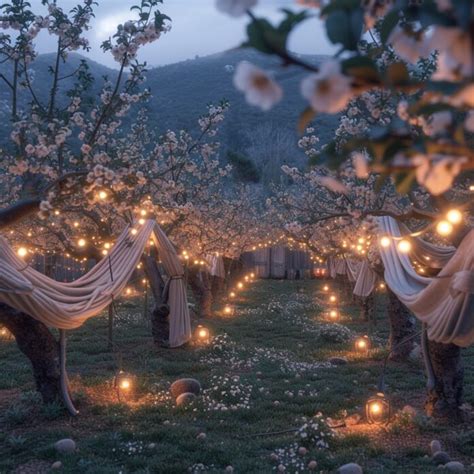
pixel 265 370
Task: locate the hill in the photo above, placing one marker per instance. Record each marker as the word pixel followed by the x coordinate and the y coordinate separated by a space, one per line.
pixel 182 91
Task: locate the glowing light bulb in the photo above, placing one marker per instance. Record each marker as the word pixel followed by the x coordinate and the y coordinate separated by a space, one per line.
pixel 375 408
pixel 228 309
pixel 107 245
pixel 22 252
pixel 325 288
pixel 81 242
pixel 333 314
pixel 232 294
pixel 404 246
pixel 444 228
pixel 454 216
pixel 385 242
pixel 240 285
pixel 143 212
pixel 252 275
pixel 102 195
pixel 332 298
pixel 128 291
pixel 382 285
pixel 134 231
pixel 141 221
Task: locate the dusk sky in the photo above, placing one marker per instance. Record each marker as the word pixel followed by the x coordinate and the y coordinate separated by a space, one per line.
pixel 198 29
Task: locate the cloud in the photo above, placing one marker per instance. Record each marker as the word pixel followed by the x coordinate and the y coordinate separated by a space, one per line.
pixel 198 29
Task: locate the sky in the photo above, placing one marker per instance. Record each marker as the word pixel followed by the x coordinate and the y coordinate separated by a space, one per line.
pixel 198 29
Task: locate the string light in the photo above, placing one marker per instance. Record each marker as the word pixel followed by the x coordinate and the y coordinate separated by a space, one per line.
pixel 333 298
pixel 325 288
pixel 240 285
pixel 81 242
pixel 102 195
pixel 404 246
pixel 454 216
pixel 232 294
pixel 444 228
pixel 22 252
pixel 333 314
pixel 385 241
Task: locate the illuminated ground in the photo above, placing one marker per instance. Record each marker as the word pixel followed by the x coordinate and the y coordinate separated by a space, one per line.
pixel 273 368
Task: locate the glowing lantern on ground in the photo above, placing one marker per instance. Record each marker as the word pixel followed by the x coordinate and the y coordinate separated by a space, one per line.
pixel 325 288
pixel 333 298
pixel 333 314
pixel 202 334
pixel 123 384
pixel 378 409
pixel 240 285
pixel 232 294
pixel 228 310
pixel 4 333
pixel 252 275
pixel 362 344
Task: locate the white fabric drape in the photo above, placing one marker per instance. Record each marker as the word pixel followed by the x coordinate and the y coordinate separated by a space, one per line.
pixel 446 302
pixel 366 279
pixel 69 305
pixel 216 266
pixel 352 269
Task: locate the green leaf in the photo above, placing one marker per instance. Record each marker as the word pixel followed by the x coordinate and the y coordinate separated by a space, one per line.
pixel 338 28
pixel 305 118
pixel 389 22
pixel 361 67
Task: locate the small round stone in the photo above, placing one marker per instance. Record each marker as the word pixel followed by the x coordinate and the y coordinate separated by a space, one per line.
pixel 65 446
pixel 454 466
pixel 312 465
pixel 350 468
pixel 441 457
pixel 185 386
pixel 229 469
pixel 57 465
pixel 435 446
pixel 201 436
pixel 185 399
pixel 338 361
pixel 302 450
pixel 281 468
pixel 274 457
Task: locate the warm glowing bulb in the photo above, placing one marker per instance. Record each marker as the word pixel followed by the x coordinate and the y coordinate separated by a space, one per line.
pixel 361 240
pixel 125 384
pixel 375 408
pixel 202 333
pixel 227 310
pixel 102 195
pixel 22 252
pixel 444 228
pixel 107 245
pixel 134 231
pixel 382 285
pixel 333 314
pixel 76 224
pixel 454 216
pixel 385 242
pixel 240 285
pixel 404 246
pixel 332 298
pixel 143 213
pixel 232 294
pixel 81 242
pixel 326 288
pixel 252 275
pixel 128 291
pixel 361 344
pixel 141 221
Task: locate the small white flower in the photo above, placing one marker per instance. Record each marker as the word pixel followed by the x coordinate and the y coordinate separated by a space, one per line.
pixel 407 47
pixel 327 90
pixel 235 7
pixel 259 88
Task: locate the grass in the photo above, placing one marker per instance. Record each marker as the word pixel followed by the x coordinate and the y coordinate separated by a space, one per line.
pixel 274 355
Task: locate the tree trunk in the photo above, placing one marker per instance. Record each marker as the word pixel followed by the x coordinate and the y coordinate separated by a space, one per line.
pixel 201 287
pixel 160 314
pixel 367 308
pixel 110 327
pixel 445 398
pixel 402 326
pixel 39 345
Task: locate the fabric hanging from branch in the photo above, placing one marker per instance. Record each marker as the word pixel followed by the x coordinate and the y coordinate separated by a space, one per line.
pixel 69 305
pixel 445 302
pixel 216 266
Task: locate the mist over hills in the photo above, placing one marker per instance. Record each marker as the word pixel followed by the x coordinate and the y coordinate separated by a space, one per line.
pixel 182 91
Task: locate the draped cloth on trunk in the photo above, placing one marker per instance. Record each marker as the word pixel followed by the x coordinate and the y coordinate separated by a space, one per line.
pixel 445 302
pixel 366 279
pixel 69 305
pixel 216 266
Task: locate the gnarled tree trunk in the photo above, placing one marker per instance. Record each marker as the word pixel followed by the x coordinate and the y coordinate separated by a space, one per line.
pixel 445 398
pixel 160 313
pixel 39 345
pixel 402 326
pixel 200 285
